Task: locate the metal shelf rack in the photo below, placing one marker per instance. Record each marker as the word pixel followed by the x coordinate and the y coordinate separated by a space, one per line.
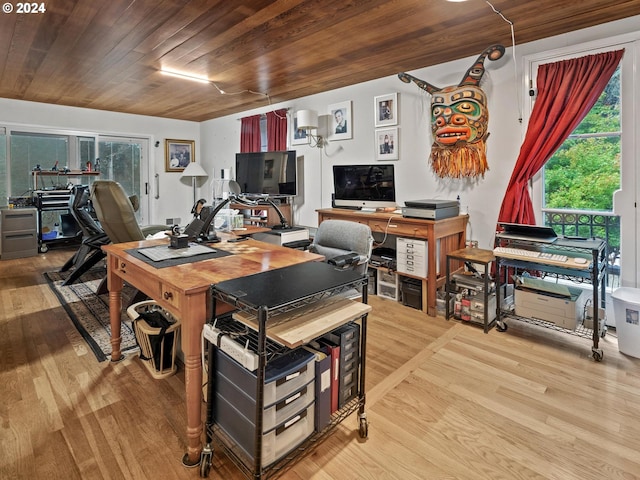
pixel 594 273
pixel 264 296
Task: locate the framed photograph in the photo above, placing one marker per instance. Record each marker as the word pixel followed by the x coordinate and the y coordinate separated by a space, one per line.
pixel 387 144
pixel 386 110
pixel 178 154
pixel 340 124
pixel 298 136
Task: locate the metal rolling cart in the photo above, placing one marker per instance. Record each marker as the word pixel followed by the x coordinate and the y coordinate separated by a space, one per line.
pixel 593 250
pixel 482 287
pixel 278 313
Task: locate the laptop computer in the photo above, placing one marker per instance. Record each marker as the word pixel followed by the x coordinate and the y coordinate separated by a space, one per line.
pixel 533 233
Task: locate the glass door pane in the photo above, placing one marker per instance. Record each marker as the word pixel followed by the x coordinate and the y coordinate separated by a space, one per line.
pixel 123 160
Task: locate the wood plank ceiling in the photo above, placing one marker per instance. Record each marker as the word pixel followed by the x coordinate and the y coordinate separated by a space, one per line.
pixel 107 55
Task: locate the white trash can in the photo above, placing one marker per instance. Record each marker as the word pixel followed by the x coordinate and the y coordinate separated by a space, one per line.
pixel 626 310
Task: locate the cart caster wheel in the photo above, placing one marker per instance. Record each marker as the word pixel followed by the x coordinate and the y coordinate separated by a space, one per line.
pixel 205 464
pixel 363 430
pixel 597 354
pixel 501 326
pixel 43 249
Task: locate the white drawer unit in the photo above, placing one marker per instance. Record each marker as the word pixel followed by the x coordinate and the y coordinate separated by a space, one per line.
pixel 411 256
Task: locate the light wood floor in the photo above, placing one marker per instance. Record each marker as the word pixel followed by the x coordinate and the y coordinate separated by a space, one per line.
pixel 444 401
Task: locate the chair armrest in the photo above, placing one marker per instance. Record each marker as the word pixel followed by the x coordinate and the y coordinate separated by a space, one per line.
pixel 153 229
pixel 345 261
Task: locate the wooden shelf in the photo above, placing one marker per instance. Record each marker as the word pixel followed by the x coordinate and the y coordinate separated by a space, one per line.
pixel 299 327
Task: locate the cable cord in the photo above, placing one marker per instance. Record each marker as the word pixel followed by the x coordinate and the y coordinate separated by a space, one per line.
pixel 515 64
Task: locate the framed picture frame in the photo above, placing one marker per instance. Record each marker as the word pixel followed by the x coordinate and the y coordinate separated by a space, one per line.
pixel 387 144
pixel 178 154
pixel 340 121
pixel 385 109
pixel 298 136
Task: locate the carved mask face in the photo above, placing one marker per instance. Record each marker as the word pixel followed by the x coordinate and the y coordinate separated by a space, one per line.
pixel 459 115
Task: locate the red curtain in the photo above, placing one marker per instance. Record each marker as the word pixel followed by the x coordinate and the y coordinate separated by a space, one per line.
pixel 250 134
pixel 567 90
pixel 277 130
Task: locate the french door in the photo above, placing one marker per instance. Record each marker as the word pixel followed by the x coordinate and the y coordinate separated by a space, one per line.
pixel 126 160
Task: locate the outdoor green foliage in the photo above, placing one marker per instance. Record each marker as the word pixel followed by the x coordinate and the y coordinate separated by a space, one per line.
pixel 584 174
pixel 585 171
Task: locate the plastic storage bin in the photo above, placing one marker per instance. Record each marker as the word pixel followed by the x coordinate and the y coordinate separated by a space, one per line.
pixel 160 352
pixel 626 310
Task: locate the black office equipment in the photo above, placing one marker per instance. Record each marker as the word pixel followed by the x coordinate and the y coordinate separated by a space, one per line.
pixel 432 209
pixel 517 231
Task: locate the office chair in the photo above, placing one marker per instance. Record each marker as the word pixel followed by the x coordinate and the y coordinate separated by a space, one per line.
pixel 343 243
pixel 93 236
pixel 116 214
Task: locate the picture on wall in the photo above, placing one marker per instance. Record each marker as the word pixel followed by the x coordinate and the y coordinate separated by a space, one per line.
pixel 298 135
pixel 178 154
pixel 340 122
pixel 387 144
pixel 386 110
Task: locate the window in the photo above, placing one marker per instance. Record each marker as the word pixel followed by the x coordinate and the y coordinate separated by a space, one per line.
pixel 31 150
pixel 585 172
pixel 4 185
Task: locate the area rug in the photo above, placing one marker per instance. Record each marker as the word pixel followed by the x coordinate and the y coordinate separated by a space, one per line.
pixel 89 312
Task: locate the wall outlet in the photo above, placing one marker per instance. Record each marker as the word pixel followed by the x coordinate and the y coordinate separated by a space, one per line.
pixel 172 221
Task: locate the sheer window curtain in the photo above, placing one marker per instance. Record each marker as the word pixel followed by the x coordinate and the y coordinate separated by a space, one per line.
pixel 567 90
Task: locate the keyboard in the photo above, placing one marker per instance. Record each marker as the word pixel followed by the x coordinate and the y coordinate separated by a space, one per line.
pixel 524 253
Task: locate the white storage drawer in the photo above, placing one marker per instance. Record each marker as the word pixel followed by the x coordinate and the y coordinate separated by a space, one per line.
pixel 412 256
pixel 283 376
pixel 276 443
pixel 272 415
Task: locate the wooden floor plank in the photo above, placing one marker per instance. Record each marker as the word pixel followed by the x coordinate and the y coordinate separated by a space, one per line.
pixel 443 401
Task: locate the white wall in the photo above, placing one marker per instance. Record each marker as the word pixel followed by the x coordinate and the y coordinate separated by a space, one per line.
pixel 176 195
pixel 506 97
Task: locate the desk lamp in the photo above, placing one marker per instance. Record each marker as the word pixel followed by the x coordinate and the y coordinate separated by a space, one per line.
pixel 194 170
pixel 235 195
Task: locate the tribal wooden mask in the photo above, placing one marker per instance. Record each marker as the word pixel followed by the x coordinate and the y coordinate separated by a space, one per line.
pixel 459 120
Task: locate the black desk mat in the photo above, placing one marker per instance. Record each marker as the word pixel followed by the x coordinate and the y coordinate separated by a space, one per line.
pixel 172 262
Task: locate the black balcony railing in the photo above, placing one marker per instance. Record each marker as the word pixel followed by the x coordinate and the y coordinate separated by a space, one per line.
pixel 586 223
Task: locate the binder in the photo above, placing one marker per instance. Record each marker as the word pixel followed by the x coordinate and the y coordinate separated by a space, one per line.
pixel 333 351
pixel 322 389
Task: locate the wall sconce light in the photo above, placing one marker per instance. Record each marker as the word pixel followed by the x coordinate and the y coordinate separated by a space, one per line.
pixel 308 121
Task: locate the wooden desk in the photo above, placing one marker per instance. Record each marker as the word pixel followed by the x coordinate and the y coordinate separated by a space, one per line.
pixel 184 290
pixel 443 236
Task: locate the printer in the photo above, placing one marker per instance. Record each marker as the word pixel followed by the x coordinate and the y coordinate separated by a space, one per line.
pixel 431 209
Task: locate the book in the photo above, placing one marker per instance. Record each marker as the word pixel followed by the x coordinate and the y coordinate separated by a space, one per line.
pixel 280 237
pixel 333 351
pixel 322 389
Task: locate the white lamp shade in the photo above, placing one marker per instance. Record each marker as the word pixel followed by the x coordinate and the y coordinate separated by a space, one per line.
pixel 307 119
pixel 194 170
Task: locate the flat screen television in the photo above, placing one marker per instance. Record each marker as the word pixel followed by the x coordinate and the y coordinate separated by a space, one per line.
pixel 272 173
pixel 364 186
